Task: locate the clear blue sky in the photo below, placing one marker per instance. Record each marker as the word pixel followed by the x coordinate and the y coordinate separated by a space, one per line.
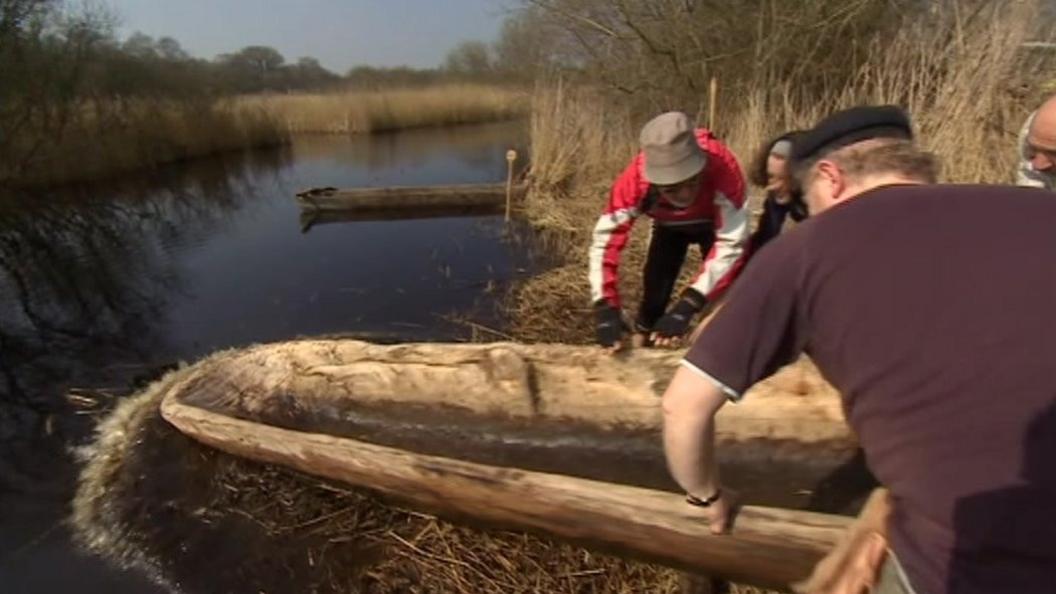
pixel 340 33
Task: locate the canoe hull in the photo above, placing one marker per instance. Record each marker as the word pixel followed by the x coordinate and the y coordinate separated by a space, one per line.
pixel 556 416
pixel 428 198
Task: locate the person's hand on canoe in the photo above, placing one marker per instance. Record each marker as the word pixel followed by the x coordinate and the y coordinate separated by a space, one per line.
pixel 673 326
pixel 609 328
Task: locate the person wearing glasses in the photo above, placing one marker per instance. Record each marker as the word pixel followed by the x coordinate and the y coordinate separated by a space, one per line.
pixel 1037 148
pixel 691 186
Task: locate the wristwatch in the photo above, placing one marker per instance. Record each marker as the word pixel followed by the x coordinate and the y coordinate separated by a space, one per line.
pixel 697 501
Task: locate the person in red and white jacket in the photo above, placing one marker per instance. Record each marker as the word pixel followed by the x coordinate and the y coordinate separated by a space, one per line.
pixel 692 187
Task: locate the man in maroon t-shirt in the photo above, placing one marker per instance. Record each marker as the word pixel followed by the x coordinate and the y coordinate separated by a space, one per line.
pixel 930 308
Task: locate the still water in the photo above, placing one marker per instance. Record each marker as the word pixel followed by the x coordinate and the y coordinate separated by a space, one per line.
pixel 102 286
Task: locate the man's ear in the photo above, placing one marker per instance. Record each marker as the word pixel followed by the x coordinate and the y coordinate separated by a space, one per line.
pixel 833 175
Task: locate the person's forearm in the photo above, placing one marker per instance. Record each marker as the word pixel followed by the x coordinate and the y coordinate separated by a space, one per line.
pixel 689 445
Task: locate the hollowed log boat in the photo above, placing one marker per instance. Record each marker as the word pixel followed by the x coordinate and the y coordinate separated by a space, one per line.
pixel 554 439
pixel 429 198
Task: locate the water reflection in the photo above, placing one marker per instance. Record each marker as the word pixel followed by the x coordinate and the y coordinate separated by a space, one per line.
pixel 414 155
pixel 83 272
pixel 100 286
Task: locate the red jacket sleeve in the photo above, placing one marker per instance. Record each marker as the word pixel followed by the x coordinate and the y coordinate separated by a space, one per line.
pixel 726 257
pixel 613 230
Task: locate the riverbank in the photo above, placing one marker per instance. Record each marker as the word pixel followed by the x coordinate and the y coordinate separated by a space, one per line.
pixel 107 138
pixel 386 110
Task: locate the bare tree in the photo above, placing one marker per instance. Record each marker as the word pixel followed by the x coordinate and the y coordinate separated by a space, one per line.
pixel 470 58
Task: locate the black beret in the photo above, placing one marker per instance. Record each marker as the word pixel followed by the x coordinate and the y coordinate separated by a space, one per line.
pixel 848 127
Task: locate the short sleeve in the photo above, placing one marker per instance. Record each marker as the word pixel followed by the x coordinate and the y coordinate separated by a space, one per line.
pixel 761 327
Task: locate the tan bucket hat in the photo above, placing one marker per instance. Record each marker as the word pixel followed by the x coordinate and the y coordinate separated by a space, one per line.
pixel 672 154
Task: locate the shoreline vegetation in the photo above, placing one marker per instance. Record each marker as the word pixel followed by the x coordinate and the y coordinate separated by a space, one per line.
pixel 391 109
pixel 78 104
pixel 109 139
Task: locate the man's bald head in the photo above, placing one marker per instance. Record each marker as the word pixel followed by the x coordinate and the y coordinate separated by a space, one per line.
pixel 1041 138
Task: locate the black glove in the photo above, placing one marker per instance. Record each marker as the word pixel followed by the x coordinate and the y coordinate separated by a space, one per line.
pixel 609 324
pixel 675 322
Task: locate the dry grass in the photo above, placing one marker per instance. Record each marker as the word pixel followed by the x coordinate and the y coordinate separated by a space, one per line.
pixel 107 138
pixel 965 84
pixel 356 112
pixel 966 97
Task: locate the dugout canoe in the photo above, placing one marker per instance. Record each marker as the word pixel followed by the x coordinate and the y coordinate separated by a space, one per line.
pixel 561 440
pixel 310 218
pixel 408 197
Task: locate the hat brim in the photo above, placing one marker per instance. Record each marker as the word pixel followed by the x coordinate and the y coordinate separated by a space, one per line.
pixel 678 172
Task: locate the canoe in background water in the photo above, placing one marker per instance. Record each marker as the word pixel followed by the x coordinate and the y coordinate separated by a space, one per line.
pixel 409 197
pixel 310 218
pixel 549 438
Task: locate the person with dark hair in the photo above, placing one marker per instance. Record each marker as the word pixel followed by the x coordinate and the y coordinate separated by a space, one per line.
pixel 940 344
pixel 770 171
pixel 691 185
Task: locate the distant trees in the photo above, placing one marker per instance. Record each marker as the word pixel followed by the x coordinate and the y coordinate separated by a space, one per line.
pixel 470 58
pixel 372 77
pixel 662 53
pixel 527 47
pixel 258 68
pixel 66 80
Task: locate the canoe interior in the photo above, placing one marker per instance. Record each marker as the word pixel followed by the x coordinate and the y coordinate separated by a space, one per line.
pixel 549 408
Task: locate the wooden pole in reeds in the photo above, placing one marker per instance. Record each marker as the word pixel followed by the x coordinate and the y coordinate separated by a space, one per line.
pixel 713 92
pixel 511 156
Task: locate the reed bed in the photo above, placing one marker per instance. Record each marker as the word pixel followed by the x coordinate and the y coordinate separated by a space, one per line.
pixel 363 112
pixel 106 138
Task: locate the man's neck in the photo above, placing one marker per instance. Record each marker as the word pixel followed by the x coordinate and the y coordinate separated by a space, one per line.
pixel 873 182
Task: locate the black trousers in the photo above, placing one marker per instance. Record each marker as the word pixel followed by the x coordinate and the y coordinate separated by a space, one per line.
pixel 667 253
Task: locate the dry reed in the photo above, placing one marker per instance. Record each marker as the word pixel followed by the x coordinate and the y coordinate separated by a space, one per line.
pixel 962 83
pixel 108 137
pixel 356 112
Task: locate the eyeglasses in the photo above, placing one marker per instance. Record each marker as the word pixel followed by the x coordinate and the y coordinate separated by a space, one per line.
pixel 1033 151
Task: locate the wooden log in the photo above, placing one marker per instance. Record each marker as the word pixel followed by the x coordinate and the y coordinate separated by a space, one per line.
pixel 768 547
pixel 468 195
pixel 556 414
pixel 310 218
pixel 542 382
pixel 551 408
